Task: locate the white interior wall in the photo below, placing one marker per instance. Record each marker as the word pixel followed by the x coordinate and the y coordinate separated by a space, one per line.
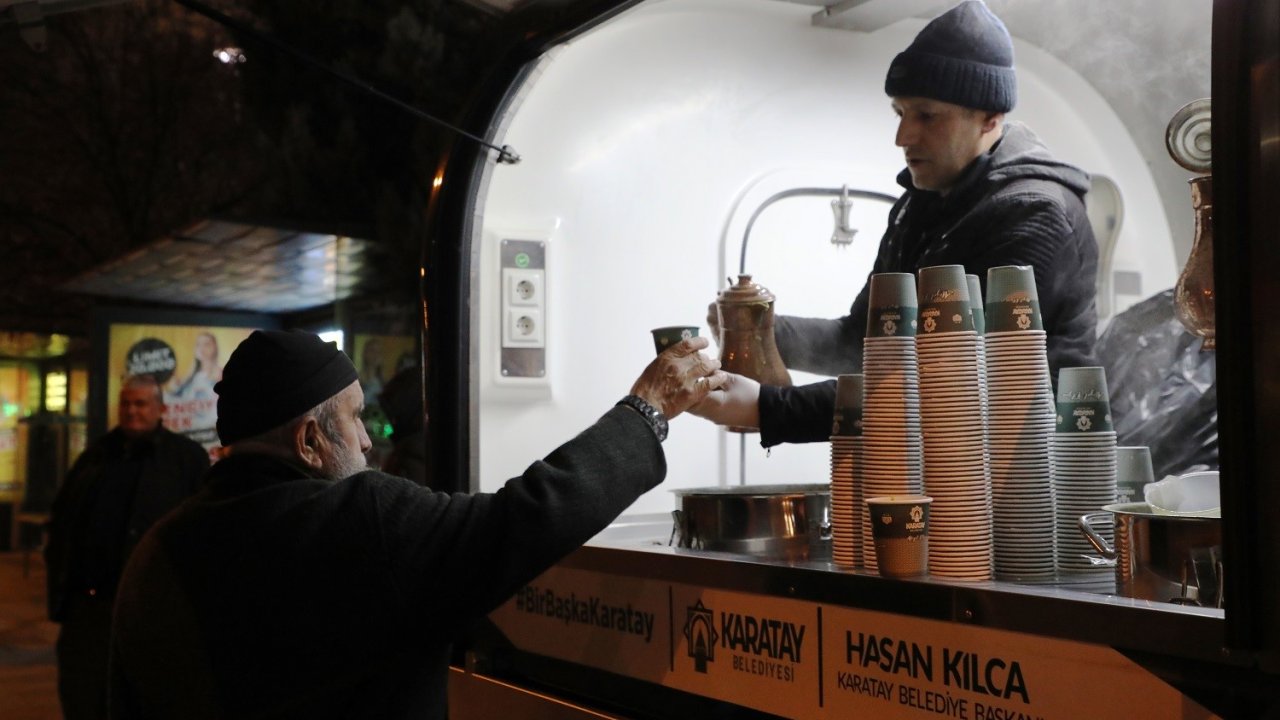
pixel 647 143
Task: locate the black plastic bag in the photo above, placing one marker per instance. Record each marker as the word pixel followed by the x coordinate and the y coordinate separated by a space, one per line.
pixel 1164 389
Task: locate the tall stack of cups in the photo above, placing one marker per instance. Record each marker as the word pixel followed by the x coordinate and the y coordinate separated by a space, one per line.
pixel 1084 463
pixel 891 443
pixel 980 327
pixel 1020 425
pixel 951 423
pixel 846 472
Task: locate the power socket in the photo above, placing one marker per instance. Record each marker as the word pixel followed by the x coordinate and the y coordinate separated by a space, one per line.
pixel 523 327
pixel 523 288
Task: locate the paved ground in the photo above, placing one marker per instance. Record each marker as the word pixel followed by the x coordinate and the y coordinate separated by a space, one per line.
pixel 28 672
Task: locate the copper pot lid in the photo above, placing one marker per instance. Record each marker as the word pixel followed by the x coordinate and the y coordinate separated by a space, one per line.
pixel 745 292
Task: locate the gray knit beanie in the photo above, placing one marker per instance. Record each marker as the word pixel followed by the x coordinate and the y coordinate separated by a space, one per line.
pixel 963 57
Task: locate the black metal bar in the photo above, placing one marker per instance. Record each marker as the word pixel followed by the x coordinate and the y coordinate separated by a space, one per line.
pixel 505 153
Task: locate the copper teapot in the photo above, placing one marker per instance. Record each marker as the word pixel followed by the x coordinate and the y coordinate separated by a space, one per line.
pixel 1189 141
pixel 747 346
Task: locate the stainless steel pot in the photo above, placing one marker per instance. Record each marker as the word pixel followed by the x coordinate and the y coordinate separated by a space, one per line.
pixel 790 522
pixel 1165 558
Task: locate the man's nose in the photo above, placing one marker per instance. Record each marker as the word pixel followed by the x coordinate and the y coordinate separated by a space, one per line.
pixel 905 134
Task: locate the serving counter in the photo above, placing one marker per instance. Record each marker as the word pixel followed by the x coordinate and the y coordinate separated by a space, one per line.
pixel 631 627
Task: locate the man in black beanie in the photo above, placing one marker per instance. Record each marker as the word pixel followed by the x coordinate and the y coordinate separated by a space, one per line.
pixel 980 193
pixel 297 584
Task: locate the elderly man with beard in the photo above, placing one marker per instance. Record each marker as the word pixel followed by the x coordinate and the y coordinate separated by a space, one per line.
pixel 298 584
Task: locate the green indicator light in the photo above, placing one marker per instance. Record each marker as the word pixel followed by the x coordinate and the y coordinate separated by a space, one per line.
pixel 522 260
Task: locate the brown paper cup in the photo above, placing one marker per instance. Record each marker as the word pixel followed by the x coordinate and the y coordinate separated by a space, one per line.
pixel 900 531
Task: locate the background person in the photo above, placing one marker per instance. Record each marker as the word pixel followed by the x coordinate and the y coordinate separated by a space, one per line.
pixel 298 585
pixel 118 487
pixel 402 401
pixel 979 192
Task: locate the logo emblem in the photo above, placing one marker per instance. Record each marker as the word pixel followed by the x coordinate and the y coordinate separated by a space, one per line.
pixel 917 512
pixel 1024 322
pixel 956 319
pixel 889 327
pixel 930 324
pixel 700 632
pixel 1084 423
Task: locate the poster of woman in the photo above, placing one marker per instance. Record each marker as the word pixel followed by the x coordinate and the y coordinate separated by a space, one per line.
pixel 186 361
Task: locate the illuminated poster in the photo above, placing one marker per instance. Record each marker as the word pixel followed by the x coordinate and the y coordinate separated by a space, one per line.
pixel 19 397
pixel 185 360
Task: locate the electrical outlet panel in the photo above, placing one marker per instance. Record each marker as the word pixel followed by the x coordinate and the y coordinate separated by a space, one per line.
pixel 523 312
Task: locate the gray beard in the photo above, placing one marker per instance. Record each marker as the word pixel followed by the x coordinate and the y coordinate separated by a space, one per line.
pixel 344 464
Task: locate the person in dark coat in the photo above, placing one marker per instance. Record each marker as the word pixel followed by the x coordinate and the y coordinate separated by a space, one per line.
pixel 117 489
pixel 402 401
pixel 979 192
pixel 297 584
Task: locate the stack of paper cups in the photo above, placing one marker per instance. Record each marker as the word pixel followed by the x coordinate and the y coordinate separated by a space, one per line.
pixel 951 423
pixel 846 482
pixel 891 443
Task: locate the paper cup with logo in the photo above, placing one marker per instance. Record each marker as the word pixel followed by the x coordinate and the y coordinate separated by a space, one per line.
pixel 847 420
pixel 1133 472
pixel 1013 304
pixel 1083 402
pixel 665 337
pixel 891 305
pixel 944 301
pixel 900 531
pixel 975 304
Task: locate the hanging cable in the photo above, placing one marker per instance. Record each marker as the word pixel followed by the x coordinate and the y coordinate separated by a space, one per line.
pixel 505 153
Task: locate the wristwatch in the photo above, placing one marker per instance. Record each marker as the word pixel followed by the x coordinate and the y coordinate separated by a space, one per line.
pixel 657 421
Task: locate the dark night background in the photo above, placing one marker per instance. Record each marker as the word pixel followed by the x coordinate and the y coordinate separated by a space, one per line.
pixel 126 127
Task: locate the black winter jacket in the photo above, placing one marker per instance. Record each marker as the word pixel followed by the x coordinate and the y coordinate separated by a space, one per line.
pixel 273 594
pixel 172 468
pixel 1015 205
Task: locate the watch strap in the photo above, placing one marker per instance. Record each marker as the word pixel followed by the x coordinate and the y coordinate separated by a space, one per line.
pixel 657 421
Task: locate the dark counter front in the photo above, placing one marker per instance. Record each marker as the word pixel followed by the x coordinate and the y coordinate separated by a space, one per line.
pixel 654 631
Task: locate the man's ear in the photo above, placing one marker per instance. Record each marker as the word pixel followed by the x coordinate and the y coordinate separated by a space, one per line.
pixel 307 439
pixel 992 121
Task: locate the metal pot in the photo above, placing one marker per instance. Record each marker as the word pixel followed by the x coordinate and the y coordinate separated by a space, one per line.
pixel 1165 558
pixel 790 522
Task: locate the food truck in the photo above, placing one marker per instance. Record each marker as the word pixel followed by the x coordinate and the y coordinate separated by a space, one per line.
pixel 641 156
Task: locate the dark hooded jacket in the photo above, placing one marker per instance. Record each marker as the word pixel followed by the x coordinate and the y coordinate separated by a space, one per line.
pixel 1015 205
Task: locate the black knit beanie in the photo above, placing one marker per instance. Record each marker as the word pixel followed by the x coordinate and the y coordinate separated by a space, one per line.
pixel 963 57
pixel 273 377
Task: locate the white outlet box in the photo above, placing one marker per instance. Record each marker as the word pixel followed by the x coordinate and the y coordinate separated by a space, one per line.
pixel 523 288
pixel 523 327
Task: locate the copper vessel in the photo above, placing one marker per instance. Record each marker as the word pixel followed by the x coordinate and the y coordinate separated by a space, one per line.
pixel 747 345
pixel 1193 295
pixel 1189 141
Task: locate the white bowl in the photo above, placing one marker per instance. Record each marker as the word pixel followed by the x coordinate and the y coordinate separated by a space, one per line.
pixel 1193 495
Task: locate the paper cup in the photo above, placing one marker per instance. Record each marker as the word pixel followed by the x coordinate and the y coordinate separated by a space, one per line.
pixel 1083 403
pixel 847 420
pixel 1133 473
pixel 944 301
pixel 975 304
pixel 900 531
pixel 665 337
pixel 892 309
pixel 1012 303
